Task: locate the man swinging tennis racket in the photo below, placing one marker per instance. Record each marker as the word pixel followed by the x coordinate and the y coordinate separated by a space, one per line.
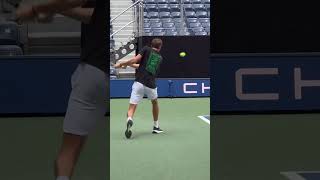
pixel 147 63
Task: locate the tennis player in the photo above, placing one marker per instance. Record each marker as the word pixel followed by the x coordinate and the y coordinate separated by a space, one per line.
pixel 147 63
pixel 87 103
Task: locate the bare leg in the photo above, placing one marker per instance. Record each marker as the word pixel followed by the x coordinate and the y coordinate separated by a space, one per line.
pixel 132 110
pixel 155 109
pixel 69 154
pixel 155 113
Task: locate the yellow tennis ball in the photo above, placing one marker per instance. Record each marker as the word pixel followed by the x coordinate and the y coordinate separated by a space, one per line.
pixel 182 54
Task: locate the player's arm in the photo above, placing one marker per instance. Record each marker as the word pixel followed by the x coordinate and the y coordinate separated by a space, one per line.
pixel 136 66
pixel 49 8
pixel 57 6
pixel 81 14
pixel 134 60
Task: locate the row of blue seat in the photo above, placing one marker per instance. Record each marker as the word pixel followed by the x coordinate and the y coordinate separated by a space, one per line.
pixel 188 14
pixel 177 1
pixel 175 7
pixel 177 33
pixel 176 20
pixel 171 25
pixel 10 50
pixel 9 33
pixel 9 39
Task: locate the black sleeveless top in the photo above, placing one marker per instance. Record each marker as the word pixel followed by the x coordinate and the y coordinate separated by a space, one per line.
pixel 94 36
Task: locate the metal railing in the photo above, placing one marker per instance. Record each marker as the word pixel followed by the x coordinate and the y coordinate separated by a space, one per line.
pixel 117 31
pixel 138 18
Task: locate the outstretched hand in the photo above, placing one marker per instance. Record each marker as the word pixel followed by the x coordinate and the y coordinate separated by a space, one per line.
pixel 26 14
pixel 118 65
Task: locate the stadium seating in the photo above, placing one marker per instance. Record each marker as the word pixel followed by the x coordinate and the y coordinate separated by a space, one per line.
pixel 204 20
pixel 164 17
pixel 200 33
pixel 162 1
pixel 157 30
pixel 151 7
pixel 10 50
pixel 199 7
pixel 205 1
pixel 9 34
pixel 207 7
pixel 112 41
pixel 175 8
pixel 196 1
pixel 156 25
pixel 169 25
pixel 164 8
pixel 173 1
pixel 192 20
pixel 205 25
pixel 153 15
pixel 9 39
pixel 175 14
pixel 201 14
pixel 186 1
pixel 167 20
pixel 159 33
pixel 184 33
pixel 188 7
pixel 150 1
pixel 190 14
pixel 171 33
pixel 113 73
pixel 194 25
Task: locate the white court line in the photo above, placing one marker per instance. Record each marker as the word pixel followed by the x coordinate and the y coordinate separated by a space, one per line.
pixel 204 119
pixel 294 175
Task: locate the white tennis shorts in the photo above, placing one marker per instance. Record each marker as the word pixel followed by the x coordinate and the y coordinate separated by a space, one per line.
pixel 138 92
pixel 88 100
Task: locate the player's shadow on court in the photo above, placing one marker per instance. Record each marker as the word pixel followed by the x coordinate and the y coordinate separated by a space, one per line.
pixel 144 135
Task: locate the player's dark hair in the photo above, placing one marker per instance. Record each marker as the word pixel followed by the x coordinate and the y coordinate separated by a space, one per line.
pixel 156 43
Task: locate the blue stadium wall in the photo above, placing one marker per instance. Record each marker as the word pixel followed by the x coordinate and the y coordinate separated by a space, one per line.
pixel 31 85
pixel 167 88
pixel 265 82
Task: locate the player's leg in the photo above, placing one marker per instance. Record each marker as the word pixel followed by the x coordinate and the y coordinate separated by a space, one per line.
pixel 137 94
pixel 131 110
pixel 68 155
pixel 155 113
pixel 155 110
pixel 87 106
pixel 153 96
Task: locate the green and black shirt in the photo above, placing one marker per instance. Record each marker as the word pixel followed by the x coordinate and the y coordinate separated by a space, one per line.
pixel 149 67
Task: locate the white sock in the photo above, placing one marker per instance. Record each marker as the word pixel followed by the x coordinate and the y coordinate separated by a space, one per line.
pixel 129 118
pixel 62 178
pixel 156 124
